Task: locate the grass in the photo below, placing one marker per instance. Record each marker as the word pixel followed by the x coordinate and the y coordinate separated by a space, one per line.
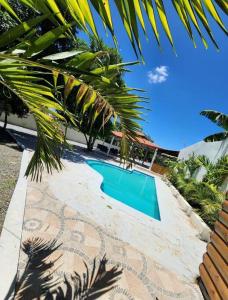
pixel 10 160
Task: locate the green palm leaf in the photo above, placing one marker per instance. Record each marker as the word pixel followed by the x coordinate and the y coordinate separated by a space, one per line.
pixel 216 117
pixel 7 6
pixel 46 40
pixel 219 119
pixel 14 33
pixel 97 96
pixel 216 137
pixel 39 99
pixel 93 87
pixel 192 13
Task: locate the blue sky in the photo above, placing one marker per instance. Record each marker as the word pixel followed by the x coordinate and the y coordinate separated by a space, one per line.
pixel 181 86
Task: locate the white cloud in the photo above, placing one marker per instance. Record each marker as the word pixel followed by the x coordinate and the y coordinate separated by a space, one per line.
pixel 158 74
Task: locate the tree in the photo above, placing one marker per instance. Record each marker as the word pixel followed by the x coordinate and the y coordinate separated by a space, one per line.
pixel 112 57
pixel 93 131
pixel 35 91
pixel 23 12
pixel 219 119
pixel 108 56
pixel 72 72
pixel 121 103
pixel 11 104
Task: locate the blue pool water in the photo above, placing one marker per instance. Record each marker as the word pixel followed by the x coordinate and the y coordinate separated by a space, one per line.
pixel 133 188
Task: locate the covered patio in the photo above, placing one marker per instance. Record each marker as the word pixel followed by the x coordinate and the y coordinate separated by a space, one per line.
pixel 144 152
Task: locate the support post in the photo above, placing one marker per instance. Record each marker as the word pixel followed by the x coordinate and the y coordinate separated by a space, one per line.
pixel 153 159
pixel 110 145
pixel 145 156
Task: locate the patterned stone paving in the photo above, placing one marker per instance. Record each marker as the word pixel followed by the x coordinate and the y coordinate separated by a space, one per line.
pixel 82 240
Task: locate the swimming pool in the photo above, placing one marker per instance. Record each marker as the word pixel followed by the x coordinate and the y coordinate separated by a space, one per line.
pixel 133 188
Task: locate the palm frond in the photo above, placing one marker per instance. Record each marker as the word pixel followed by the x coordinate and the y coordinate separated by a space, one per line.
pixel 210 211
pixel 8 37
pixel 134 14
pixel 204 161
pixel 220 136
pixel 219 119
pixel 95 92
pixel 217 172
pixel 100 95
pixel 216 117
pixel 31 88
pixel 205 196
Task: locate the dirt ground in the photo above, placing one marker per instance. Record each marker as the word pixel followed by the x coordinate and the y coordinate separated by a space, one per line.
pixel 10 161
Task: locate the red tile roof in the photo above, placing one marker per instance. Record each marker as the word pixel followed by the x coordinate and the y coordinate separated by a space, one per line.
pixel 139 139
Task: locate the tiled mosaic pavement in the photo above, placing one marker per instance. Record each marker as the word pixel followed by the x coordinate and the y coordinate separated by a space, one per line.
pixel 82 240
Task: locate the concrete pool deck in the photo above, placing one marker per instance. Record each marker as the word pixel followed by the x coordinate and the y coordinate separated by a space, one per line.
pixel 173 241
pixel 159 258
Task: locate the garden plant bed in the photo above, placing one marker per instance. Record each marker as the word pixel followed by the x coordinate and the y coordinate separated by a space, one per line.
pixel 10 160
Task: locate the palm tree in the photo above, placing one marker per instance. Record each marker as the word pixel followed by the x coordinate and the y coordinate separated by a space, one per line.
pixel 219 119
pixel 44 84
pixel 24 74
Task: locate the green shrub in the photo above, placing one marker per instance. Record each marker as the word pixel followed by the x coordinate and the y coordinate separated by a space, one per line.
pixel 204 196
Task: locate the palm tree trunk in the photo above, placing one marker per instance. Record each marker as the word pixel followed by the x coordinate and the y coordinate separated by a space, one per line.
pixel 64 141
pixel 90 144
pixel 5 120
pixel 93 141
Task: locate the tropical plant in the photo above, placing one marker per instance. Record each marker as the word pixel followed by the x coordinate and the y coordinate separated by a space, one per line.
pixel 206 199
pixel 107 101
pixel 219 119
pixel 204 195
pixel 216 172
pixel 93 130
pixel 38 279
pixel 134 14
pixel 104 56
pixel 94 88
pixel 192 164
pixel 24 75
pixel 23 12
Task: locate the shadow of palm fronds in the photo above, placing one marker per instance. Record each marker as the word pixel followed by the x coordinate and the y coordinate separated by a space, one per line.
pixel 91 285
pixel 37 280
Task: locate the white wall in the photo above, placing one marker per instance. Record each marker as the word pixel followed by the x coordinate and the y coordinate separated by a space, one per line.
pixel 213 150
pixel 29 123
